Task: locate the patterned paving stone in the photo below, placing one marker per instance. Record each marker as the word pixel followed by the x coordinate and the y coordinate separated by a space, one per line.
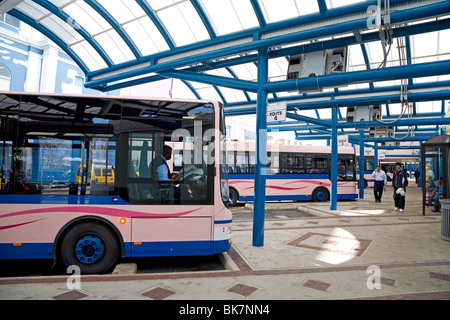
pixel 70 295
pixel 158 293
pixel 388 281
pixel 440 276
pixel 316 284
pixel 242 289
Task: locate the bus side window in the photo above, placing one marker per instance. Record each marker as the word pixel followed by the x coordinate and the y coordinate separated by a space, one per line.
pixel 252 163
pixel 230 161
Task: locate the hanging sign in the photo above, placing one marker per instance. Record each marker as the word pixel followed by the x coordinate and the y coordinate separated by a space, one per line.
pixel 276 112
pixel 342 140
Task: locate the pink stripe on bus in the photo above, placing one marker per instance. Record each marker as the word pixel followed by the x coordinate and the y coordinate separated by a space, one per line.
pixel 99 210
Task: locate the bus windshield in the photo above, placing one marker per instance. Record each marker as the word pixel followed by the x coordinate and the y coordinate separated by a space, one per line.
pixel 61 145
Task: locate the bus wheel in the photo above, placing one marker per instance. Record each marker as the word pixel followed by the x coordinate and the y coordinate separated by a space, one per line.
pixel 91 246
pixel 234 196
pixel 320 195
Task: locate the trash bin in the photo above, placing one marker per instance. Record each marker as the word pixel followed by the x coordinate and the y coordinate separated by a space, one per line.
pixel 445 220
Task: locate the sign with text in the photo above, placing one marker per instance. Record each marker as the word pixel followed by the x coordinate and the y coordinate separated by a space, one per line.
pixel 342 140
pixel 276 112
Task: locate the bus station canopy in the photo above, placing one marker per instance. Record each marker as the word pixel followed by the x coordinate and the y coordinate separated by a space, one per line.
pixel 238 52
pixel 210 48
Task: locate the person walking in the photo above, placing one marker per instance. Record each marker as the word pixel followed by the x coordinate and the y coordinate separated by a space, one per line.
pixel 380 181
pixel 417 175
pixel 399 182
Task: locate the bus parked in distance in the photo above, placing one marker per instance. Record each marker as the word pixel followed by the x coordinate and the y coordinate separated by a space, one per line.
pixel 136 211
pixel 293 172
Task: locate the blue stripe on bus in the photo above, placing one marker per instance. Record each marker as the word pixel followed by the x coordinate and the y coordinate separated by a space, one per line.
pixel 146 249
pixel 223 221
pixel 60 199
pixel 179 248
pixel 26 251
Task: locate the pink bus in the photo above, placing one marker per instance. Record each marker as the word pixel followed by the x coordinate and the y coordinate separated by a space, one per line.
pixel 293 172
pixel 50 209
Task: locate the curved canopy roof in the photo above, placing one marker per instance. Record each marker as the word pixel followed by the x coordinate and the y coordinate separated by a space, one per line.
pixel 212 47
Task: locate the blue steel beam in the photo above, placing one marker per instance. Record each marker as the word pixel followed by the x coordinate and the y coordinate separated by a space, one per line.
pixel 116 26
pixel 234 75
pixel 369 124
pixel 319 32
pixel 79 28
pixel 323 123
pixel 401 122
pixel 334 13
pixel 384 95
pixel 49 34
pixel 157 22
pixel 435 25
pixel 259 13
pixel 322 6
pixel 209 27
pixel 414 29
pixel 213 80
pixel 187 84
pixel 334 80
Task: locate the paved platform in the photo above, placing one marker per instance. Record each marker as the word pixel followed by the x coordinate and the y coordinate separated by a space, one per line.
pixel 363 250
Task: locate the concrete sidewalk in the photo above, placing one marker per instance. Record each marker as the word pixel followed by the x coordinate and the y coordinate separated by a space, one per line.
pixel 363 250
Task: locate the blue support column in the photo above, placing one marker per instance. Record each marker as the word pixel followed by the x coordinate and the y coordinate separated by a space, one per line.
pixel 261 151
pixel 422 173
pixel 334 159
pixel 361 164
pixel 375 155
pixel 410 169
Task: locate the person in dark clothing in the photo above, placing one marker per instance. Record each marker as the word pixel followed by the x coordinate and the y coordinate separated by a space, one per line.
pixel 164 181
pixel 399 182
pixel 417 175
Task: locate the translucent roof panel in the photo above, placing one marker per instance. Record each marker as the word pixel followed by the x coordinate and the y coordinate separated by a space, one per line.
pixel 146 36
pixel 274 11
pixel 138 26
pixel 229 16
pixel 340 3
pixel 247 71
pixel 206 91
pixel 181 21
pixel 115 46
pixel 278 69
pixel 356 58
pixel 428 106
pixel 83 14
pixel 90 57
pixel 232 95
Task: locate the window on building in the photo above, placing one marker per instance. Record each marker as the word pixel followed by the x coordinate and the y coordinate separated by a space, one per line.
pixel 5 78
pixel 10 20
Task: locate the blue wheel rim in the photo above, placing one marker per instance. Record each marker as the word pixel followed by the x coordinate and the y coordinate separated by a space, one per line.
pixel 89 249
pixel 231 195
pixel 320 196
